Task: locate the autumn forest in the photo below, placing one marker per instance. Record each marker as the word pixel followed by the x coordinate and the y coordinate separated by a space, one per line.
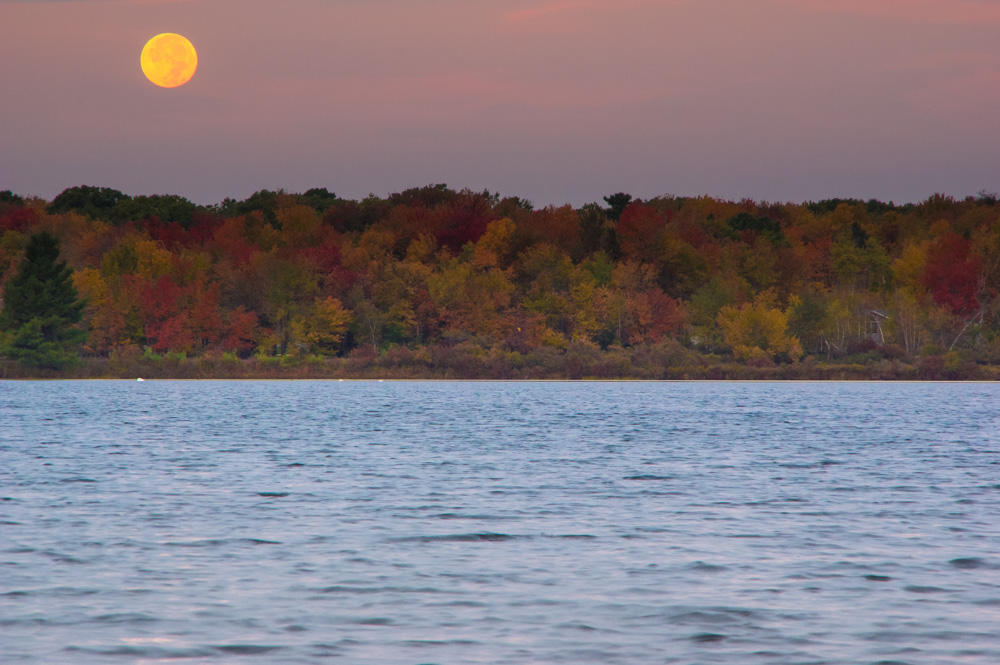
pixel 437 283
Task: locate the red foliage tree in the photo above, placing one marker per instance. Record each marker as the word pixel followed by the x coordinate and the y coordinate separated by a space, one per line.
pixel 951 274
pixel 240 331
pixel 206 319
pixel 18 220
pixel 165 320
pixel 638 232
pixel 668 315
pixel 464 221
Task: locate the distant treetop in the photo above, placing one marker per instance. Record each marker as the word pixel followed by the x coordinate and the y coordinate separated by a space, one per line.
pixel 7 196
pixel 94 202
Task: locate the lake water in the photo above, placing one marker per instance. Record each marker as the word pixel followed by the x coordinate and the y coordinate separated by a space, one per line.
pixel 452 523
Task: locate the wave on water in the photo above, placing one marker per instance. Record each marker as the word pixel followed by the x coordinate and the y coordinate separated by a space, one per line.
pixel 485 537
pixel 220 542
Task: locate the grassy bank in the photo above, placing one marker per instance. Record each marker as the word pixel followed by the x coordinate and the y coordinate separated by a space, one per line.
pixel 449 364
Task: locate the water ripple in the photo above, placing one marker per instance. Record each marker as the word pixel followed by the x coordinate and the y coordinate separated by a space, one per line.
pixel 395 523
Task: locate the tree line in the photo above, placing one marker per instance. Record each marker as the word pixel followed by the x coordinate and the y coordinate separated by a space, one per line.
pixel 485 285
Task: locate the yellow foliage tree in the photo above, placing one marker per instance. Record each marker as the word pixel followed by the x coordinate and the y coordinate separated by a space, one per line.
pixel 106 314
pixel 470 299
pixel 491 248
pixel 582 295
pixel 321 328
pixel 758 330
pixel 372 250
pixel 299 224
pixel 909 268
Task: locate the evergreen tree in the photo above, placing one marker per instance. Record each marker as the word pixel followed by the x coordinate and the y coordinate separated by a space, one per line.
pixel 40 308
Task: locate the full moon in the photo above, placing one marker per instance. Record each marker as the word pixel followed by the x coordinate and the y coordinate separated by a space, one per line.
pixel 169 60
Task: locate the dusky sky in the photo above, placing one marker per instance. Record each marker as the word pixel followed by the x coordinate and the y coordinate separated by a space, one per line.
pixel 558 101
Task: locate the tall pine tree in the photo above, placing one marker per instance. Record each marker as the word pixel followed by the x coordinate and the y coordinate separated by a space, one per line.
pixel 41 308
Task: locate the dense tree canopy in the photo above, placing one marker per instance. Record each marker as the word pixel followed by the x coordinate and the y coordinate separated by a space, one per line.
pixel 431 272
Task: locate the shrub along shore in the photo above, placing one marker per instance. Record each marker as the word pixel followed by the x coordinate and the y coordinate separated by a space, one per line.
pixel 667 362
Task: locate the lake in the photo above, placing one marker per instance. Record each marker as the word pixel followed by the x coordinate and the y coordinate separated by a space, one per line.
pixel 424 522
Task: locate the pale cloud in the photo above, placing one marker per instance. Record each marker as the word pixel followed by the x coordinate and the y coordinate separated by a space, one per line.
pixel 106 2
pixel 921 11
pixel 555 7
pixel 959 61
pixel 560 7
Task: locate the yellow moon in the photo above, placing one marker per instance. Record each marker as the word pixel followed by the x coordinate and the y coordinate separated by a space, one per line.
pixel 169 60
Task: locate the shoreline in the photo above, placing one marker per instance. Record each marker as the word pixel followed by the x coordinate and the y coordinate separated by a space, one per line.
pixel 362 380
pixel 345 369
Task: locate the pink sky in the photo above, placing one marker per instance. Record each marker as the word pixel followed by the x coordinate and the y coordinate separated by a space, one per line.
pixel 559 101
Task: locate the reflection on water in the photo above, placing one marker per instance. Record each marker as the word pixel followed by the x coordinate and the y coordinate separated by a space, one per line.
pixel 385 523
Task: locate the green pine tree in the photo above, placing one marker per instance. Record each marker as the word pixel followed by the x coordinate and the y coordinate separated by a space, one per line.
pixel 41 308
